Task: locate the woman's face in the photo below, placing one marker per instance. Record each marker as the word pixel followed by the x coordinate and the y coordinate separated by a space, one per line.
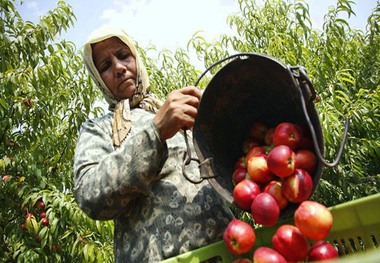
pixel 117 67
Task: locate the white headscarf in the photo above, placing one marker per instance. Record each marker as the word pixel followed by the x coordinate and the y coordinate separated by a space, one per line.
pixel 142 98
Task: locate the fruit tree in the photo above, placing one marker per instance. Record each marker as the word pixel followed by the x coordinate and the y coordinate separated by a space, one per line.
pixel 46 95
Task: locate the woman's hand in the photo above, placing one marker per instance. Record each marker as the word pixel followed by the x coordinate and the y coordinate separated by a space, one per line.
pixel 178 111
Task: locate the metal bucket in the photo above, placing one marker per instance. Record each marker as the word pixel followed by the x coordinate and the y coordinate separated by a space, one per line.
pixel 251 87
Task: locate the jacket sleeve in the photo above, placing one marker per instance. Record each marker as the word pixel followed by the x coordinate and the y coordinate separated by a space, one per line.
pixel 109 180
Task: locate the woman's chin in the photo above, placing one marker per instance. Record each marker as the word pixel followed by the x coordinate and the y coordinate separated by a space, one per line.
pixel 126 93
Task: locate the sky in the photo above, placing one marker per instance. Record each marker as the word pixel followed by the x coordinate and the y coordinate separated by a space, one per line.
pixel 167 24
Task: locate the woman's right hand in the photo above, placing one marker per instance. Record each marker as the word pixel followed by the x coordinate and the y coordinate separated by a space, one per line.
pixel 178 111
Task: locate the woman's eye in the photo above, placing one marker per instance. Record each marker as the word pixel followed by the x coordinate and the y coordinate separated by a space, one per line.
pixel 105 67
pixel 123 55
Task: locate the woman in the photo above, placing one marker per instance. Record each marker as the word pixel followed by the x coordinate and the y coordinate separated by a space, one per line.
pixel 128 163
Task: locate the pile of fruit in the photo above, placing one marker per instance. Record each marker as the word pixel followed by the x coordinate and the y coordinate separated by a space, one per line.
pixel 276 170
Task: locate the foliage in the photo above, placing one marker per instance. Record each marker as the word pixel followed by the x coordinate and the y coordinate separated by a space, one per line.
pixel 47 95
pixel 168 70
pixel 42 105
pixel 344 66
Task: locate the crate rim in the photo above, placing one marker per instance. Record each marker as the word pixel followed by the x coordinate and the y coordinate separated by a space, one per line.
pixel 365 256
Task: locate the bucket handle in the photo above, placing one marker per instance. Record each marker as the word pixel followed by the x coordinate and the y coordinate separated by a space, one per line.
pixel 221 61
pixel 188 151
pixel 189 159
pixel 304 85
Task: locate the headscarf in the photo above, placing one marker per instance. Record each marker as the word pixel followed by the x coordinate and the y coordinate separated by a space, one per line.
pixel 121 124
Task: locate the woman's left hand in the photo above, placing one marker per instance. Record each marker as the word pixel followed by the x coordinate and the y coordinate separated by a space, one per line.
pixel 178 111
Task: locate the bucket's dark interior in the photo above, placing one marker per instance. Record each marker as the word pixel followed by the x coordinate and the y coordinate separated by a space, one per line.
pixel 253 88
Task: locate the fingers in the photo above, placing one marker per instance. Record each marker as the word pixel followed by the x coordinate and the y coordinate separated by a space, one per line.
pixel 182 105
pixel 192 91
pixel 179 111
pixel 186 96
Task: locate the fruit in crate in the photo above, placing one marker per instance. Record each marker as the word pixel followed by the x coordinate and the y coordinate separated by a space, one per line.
pixel 281 160
pixel 267 255
pixel 258 170
pixel 313 219
pixel 244 193
pixel 239 237
pixel 287 133
pixel 265 210
pixel 298 186
pixel 322 250
pixel 291 243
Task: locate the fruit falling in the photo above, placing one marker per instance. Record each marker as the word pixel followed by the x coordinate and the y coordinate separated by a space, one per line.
pixel 274 158
pixel 276 169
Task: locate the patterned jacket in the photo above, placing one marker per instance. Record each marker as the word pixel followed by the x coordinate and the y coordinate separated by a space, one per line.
pixel 157 213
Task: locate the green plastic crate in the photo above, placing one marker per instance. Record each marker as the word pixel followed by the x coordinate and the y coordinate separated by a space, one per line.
pixel 355 233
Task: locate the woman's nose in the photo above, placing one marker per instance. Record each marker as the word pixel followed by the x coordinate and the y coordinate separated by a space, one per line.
pixel 119 67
